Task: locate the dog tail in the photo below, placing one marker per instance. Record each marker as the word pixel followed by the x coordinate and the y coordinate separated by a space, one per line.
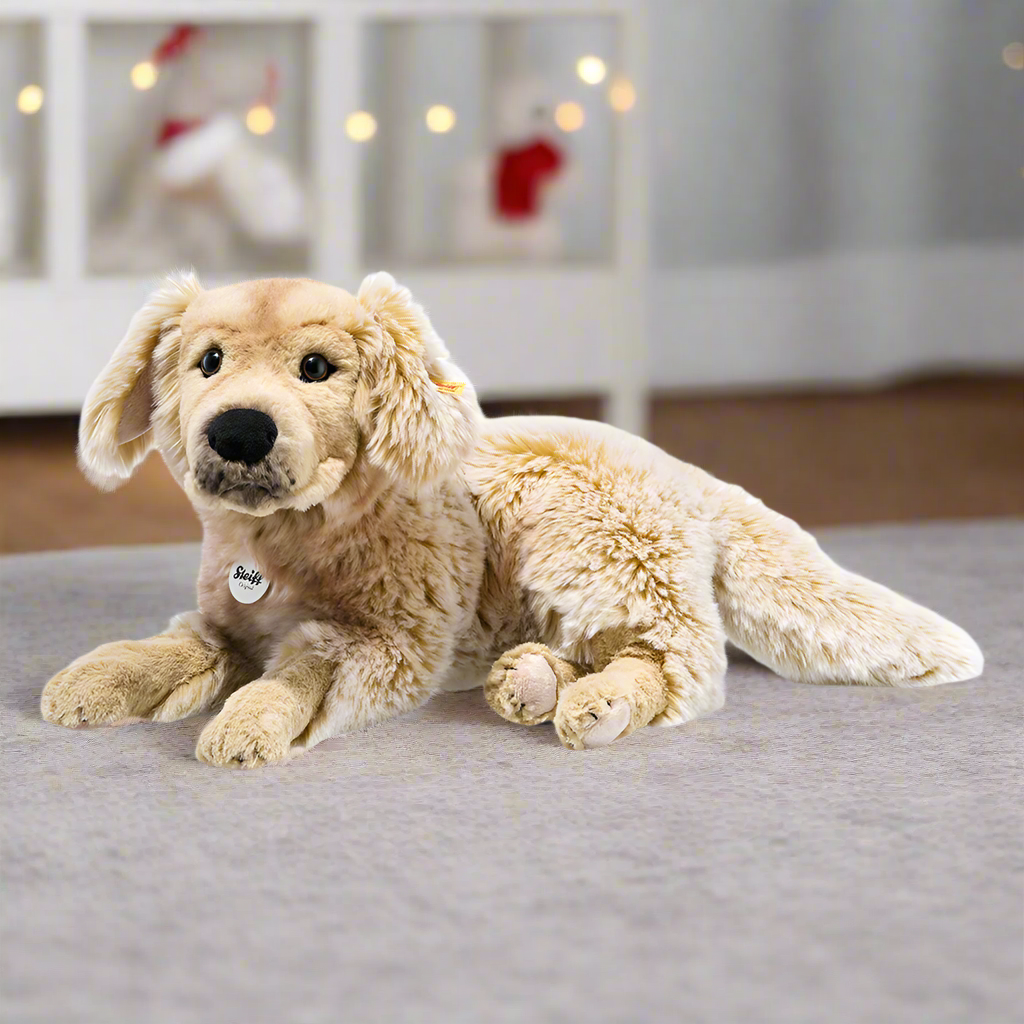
pixel 787 604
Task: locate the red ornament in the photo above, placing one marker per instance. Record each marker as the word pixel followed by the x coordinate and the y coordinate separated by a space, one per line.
pixel 170 130
pixel 175 43
pixel 519 176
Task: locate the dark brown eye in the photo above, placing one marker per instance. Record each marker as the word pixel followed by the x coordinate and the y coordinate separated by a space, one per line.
pixel 210 363
pixel 315 368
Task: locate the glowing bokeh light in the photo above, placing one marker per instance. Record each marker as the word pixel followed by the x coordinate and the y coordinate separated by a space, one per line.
pixel 360 126
pixel 260 119
pixel 440 118
pixel 144 75
pixel 569 116
pixel 30 99
pixel 1013 56
pixel 621 95
pixel 591 70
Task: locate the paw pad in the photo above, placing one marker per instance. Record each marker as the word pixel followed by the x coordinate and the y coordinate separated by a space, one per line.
pixel 585 721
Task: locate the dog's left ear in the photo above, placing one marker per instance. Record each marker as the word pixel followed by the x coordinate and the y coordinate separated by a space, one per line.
pixel 425 413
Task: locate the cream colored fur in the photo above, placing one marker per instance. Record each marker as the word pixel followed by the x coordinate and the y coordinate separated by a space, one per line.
pixel 412 546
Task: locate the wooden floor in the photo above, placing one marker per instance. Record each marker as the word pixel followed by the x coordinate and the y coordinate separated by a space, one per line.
pixel 937 449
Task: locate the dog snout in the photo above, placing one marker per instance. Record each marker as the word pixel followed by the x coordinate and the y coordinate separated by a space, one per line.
pixel 242 435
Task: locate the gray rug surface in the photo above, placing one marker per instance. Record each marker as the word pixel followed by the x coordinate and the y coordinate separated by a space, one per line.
pixel 806 854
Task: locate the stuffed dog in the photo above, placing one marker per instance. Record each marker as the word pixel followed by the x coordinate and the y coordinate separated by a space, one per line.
pixel 370 539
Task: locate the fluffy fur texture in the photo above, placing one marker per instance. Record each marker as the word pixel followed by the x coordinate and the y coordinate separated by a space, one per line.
pixel 413 546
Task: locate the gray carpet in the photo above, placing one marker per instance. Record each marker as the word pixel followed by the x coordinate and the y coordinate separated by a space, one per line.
pixel 807 854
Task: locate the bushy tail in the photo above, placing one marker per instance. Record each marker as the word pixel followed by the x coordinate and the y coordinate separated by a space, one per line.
pixel 787 604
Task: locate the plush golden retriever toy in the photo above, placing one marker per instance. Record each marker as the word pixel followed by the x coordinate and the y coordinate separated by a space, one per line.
pixel 371 539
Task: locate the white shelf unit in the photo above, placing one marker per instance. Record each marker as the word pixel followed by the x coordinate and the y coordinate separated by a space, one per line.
pixel 518 330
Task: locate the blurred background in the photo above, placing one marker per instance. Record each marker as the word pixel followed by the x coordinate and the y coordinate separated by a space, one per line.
pixel 782 238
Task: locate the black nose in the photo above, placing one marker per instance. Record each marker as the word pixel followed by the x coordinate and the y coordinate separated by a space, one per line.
pixel 242 435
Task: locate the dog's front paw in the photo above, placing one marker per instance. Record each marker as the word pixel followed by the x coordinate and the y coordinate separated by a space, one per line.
pixel 256 727
pixel 165 677
pixel 588 717
pixel 97 689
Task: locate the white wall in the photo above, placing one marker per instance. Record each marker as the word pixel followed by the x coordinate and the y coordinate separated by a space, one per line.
pixel 842 318
pixel 837 189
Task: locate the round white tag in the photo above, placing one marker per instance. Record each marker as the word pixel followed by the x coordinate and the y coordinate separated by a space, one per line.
pixel 246 583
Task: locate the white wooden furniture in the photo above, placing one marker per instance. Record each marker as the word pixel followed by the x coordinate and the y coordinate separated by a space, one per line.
pixel 517 330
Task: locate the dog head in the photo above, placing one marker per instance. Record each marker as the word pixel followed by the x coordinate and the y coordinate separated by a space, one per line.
pixel 269 394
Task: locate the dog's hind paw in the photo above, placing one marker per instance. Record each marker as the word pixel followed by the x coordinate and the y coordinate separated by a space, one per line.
pixel 588 716
pixel 523 685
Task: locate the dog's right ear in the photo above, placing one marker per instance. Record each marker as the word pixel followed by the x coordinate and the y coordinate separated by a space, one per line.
pixel 115 432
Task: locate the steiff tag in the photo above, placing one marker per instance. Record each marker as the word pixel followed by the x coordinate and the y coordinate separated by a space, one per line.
pixel 246 583
pixel 449 387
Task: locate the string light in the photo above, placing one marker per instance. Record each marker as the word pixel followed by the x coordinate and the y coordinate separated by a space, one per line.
pixel 360 126
pixel 621 95
pixel 30 99
pixel 260 119
pixel 569 116
pixel 440 118
pixel 144 75
pixel 591 70
pixel 1013 56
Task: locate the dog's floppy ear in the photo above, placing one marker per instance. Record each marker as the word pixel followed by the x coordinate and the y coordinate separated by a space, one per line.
pixel 115 432
pixel 425 412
